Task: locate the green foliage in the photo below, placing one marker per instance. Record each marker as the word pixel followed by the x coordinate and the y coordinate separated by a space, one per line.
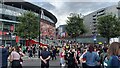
pixel 75 25
pixel 109 26
pixel 28 26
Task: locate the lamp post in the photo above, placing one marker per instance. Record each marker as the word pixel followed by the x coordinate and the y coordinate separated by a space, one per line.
pixel 2 22
pixel 39 19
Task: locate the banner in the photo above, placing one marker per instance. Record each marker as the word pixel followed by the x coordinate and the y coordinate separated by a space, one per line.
pixel 17 39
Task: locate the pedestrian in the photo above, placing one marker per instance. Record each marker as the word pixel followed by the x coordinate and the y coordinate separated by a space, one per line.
pixel 39 51
pixel 45 57
pixel 62 57
pixel 113 55
pixel 53 53
pixel 58 50
pixel 30 52
pixel 3 57
pixel 78 56
pixel 21 55
pixel 15 58
pixel 103 55
pixel 24 49
pixel 34 51
pixel 72 61
pixel 91 57
pixel 83 61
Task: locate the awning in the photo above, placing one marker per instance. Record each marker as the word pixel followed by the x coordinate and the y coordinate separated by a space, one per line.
pixel 31 42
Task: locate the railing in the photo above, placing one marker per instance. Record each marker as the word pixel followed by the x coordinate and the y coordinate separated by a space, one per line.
pixel 50 42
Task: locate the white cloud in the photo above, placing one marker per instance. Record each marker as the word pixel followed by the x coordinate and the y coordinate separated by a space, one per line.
pixel 62 8
pixel 62 0
pixel 73 0
pixel 57 4
pixel 73 7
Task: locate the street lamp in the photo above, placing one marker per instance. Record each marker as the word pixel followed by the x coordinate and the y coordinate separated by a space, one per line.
pixel 39 19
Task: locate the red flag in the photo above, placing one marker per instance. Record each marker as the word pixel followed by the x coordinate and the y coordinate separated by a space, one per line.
pixel 17 39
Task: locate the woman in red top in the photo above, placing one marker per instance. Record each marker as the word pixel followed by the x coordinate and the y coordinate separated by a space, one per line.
pixel 62 59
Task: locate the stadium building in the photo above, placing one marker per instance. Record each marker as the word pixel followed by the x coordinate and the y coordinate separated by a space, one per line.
pixel 9 12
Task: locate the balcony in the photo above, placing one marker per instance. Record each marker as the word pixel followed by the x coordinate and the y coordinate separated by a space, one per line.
pixel 118 7
pixel 94 22
pixel 102 10
pixel 94 18
pixel 94 15
pixel 100 14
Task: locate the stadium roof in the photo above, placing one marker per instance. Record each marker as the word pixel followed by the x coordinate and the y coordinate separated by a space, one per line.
pixel 31 7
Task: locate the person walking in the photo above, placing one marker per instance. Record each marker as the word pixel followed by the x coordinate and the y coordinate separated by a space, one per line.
pixel 24 49
pixel 91 57
pixel 62 57
pixel 53 53
pixel 30 52
pixel 21 55
pixel 45 57
pixel 113 58
pixel 34 51
pixel 83 61
pixel 15 58
pixel 3 57
pixel 72 60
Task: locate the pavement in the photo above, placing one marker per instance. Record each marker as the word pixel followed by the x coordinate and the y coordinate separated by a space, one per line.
pixel 36 63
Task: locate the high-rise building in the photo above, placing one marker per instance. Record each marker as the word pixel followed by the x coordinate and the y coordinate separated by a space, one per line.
pixel 90 21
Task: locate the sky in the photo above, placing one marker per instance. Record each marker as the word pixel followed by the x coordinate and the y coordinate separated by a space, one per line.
pixel 62 8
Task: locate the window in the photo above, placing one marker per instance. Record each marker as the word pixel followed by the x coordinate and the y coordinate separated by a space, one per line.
pixel 6 27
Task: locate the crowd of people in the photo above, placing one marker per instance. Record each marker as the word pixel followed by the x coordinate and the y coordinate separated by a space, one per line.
pixel 72 55
pixel 12 55
pixel 90 55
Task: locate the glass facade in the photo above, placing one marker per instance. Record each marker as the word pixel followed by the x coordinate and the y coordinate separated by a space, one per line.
pixel 48 19
pixel 13 11
pixel 9 10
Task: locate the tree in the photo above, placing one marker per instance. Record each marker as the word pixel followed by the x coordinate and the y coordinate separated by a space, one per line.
pixel 108 26
pixel 28 26
pixel 75 26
